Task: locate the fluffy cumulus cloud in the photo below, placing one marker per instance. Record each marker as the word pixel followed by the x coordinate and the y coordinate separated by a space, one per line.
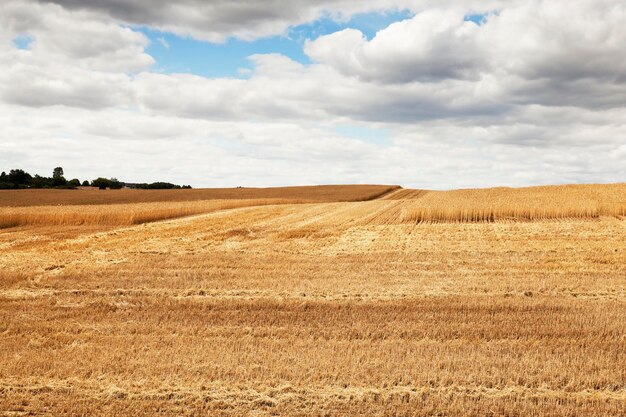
pixel 524 92
pixel 247 19
pixel 76 59
pixel 531 52
pixel 432 46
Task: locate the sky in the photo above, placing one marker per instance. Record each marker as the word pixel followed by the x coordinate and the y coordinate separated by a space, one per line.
pixel 426 94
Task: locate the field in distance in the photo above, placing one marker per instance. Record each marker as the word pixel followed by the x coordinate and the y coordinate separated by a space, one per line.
pixel 500 302
pixel 89 206
pixel 90 195
pixel 392 205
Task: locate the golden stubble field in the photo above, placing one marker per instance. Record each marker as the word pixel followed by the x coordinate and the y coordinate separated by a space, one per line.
pixel 515 306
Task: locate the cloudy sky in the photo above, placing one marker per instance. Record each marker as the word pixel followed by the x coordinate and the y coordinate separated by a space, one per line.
pixel 431 94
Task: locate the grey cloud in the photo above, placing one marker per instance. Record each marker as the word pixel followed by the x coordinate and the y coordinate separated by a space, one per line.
pixel 436 154
pixel 528 52
pixel 75 59
pixel 78 39
pixel 586 92
pixel 433 45
pixel 284 90
pixel 214 20
pixel 517 100
pixel 86 93
pixel 27 81
pixel 217 20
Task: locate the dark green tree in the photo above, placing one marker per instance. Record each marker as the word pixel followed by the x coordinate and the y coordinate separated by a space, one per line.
pixel 19 177
pixel 101 183
pixel 57 177
pixel 85 183
pixel 115 184
pixel 41 182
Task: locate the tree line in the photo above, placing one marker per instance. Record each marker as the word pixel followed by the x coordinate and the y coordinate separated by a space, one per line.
pixel 19 179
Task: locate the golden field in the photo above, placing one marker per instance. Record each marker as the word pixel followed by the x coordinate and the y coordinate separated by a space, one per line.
pixel 93 196
pixel 496 302
pixel 120 214
pixel 533 203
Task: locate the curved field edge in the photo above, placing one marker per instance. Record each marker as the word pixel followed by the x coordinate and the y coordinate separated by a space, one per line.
pixel 516 204
pixel 35 207
pixel 381 204
pixel 91 196
pixel 316 309
pixel 121 214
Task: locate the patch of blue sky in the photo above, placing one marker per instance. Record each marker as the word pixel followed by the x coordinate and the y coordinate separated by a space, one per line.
pixel 22 41
pixel 368 23
pixel 175 54
pixel 480 18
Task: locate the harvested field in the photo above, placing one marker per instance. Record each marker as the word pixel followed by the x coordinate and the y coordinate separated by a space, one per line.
pixel 119 214
pixel 533 203
pixel 88 195
pixel 325 308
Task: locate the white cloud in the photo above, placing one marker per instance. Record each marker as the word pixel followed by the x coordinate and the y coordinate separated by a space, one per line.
pixel 25 82
pixel 433 45
pixel 85 66
pixel 530 52
pixel 76 38
pixel 536 94
pixel 246 19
